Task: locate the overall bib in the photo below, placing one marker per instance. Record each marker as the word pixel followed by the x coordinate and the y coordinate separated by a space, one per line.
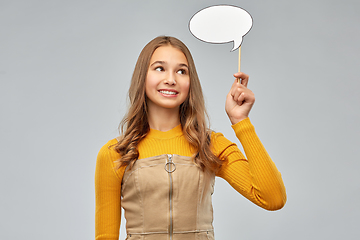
pixel 168 197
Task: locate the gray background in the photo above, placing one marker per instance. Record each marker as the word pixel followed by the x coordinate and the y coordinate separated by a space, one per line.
pixel 64 71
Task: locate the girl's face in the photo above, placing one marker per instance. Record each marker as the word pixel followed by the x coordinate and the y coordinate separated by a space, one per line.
pixel 167 82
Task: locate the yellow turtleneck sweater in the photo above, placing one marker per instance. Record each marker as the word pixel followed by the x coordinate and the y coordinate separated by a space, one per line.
pixel 256 177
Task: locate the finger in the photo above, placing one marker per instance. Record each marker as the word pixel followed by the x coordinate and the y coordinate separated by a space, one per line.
pixel 234 83
pixel 234 86
pixel 249 96
pixel 237 93
pixel 245 81
pixel 238 74
pixel 241 98
pixel 229 97
pixel 244 78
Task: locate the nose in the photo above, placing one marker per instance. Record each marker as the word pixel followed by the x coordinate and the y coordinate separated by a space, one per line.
pixel 170 79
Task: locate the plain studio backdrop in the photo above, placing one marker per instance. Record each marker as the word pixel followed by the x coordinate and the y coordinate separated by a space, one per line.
pixel 65 68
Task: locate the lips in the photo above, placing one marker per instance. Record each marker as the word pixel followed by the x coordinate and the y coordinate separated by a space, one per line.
pixel 168 92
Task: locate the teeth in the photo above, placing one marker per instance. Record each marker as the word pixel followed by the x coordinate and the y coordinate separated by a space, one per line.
pixel 168 92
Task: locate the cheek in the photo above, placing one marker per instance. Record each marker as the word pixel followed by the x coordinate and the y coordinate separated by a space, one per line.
pixel 150 84
pixel 186 87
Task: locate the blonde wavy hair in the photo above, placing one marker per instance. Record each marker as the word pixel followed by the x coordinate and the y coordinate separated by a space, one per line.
pixel 193 117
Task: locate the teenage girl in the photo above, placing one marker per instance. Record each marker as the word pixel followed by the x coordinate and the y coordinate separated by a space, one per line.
pixel 161 169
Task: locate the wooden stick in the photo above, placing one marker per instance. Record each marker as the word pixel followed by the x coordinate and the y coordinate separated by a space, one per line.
pixel 239 62
pixel 239 58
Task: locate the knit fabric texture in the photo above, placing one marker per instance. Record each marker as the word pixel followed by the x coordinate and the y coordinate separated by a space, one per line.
pixel 255 177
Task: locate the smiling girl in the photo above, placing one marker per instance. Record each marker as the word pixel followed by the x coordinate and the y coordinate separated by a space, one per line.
pixel 162 168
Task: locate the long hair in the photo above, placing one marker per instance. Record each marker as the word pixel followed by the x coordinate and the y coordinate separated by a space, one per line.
pixel 193 117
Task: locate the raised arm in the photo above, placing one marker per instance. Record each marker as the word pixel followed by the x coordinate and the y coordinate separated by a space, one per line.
pixel 256 177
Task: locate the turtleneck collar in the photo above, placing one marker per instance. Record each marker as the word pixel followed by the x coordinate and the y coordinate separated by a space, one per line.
pixel 175 132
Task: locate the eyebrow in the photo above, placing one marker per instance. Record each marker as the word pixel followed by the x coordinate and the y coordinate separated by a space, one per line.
pixel 163 62
pixel 183 65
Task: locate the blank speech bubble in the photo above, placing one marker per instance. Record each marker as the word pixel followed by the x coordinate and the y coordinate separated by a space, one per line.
pixel 221 24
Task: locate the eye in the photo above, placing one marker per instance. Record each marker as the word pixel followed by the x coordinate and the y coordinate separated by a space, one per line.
pixel 160 69
pixel 181 71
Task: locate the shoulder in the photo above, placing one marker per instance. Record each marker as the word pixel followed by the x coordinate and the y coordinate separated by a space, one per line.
pixel 107 157
pixel 220 143
pixel 218 138
pixel 107 150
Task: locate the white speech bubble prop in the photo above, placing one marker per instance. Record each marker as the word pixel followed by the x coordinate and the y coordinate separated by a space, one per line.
pixel 221 24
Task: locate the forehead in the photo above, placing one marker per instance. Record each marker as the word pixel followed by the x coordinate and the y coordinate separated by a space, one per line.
pixel 169 54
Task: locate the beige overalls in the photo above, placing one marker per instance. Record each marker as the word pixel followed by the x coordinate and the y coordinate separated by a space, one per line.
pixel 168 197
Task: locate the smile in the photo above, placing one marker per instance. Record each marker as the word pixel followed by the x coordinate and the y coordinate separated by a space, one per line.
pixel 168 92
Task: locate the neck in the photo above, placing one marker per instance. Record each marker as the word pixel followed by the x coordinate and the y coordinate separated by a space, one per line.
pixel 163 119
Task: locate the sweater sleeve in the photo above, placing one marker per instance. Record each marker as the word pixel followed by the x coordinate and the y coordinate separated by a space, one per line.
pixel 256 177
pixel 107 194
